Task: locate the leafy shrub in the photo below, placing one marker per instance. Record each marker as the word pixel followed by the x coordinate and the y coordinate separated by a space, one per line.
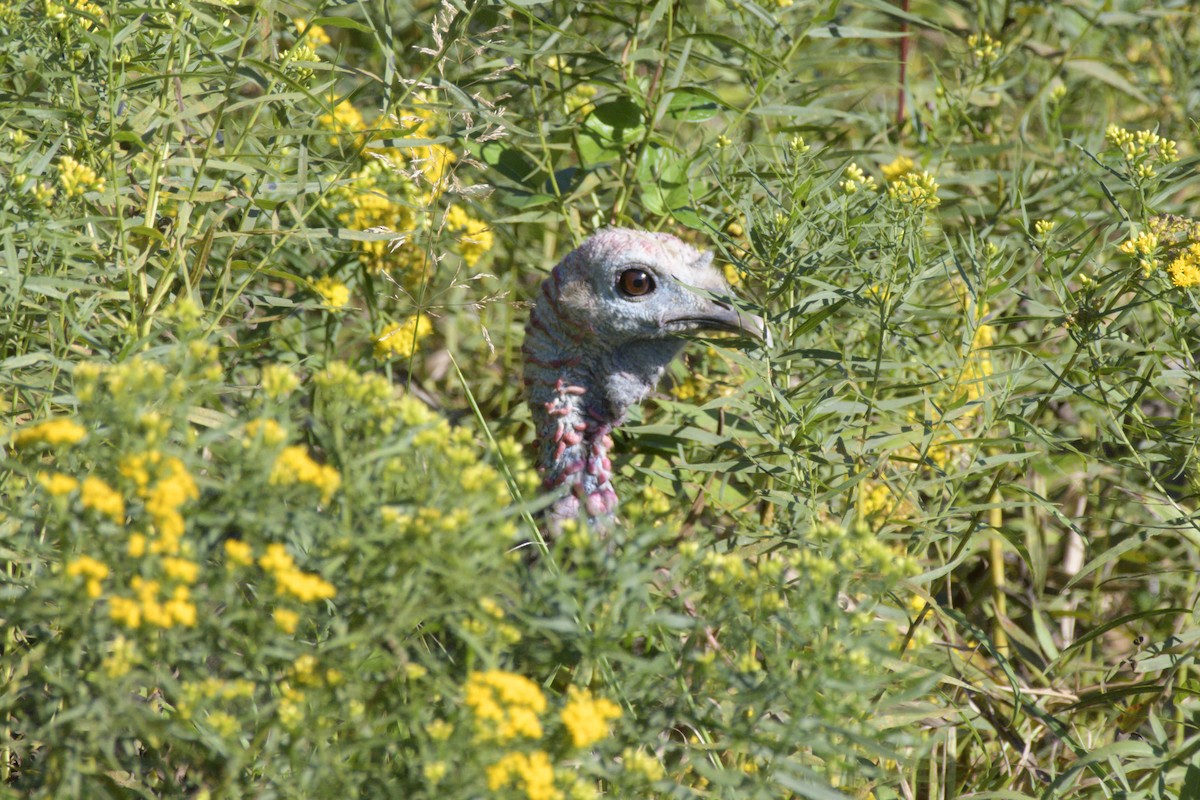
pixel 268 520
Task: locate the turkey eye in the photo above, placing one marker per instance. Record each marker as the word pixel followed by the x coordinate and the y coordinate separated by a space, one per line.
pixel 635 282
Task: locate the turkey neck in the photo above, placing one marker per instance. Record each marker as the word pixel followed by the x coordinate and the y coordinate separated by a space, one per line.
pixel 579 392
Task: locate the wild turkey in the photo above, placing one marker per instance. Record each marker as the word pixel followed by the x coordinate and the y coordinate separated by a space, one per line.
pixel 607 323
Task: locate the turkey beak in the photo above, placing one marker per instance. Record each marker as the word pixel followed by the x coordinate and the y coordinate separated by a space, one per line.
pixel 722 316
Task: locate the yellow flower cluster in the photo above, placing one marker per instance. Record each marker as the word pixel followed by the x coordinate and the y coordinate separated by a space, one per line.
pixel 334 294
pixel 505 705
pixel 1143 247
pixel 314 33
pixel 146 606
pixel 163 501
pixel 856 179
pixel 379 205
pixel 91 570
pixel 279 381
pixel 532 773
pixel 642 763
pixel 57 11
pixel 875 500
pixel 400 339
pixel 474 237
pixel 387 194
pixel 343 119
pixel 98 496
pixel 586 717
pixel 368 392
pixel 915 188
pixel 265 430
pixel 239 552
pixel 984 48
pixel 307 587
pixel 295 465
pixel 1135 146
pixel 194 693
pixel 1185 268
pixel 76 178
pixel 902 165
pixel 52 432
pixel 57 484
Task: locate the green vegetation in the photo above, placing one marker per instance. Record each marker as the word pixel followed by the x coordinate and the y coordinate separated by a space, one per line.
pixel 265 458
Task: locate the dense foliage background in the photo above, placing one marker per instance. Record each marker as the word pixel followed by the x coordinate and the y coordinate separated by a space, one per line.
pixel 264 269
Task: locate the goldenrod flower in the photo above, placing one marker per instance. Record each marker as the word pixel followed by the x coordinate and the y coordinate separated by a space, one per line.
pixel 52 432
pixel 91 570
pixel 856 179
pixel 102 498
pixel 335 294
pixel 532 773
pixel 314 33
pixel 1185 269
pixel 586 717
pixel 902 165
pixel 295 465
pixel 75 179
pixel 400 339
pixel 266 430
pixel 181 569
pixel 239 552
pixel 916 188
pixel 984 48
pixel 474 237
pixel 57 484
pixel 505 705
pixel 286 620
pixel 279 381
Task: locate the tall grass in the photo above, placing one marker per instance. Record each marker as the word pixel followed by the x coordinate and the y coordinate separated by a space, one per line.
pixel 265 271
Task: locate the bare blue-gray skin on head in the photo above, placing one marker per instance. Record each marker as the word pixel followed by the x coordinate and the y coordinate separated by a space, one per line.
pixel 606 324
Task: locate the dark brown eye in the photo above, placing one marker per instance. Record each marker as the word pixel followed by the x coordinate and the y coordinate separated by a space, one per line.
pixel 635 282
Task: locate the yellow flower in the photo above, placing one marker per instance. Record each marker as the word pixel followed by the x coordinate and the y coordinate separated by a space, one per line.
pixel 344 118
pixel 856 179
pixel 289 579
pixel 314 33
pixel 75 179
pixel 401 338
pixel 137 545
pixel 916 188
pixel 335 293
pixel 57 484
pixel 163 501
pixel 286 620
pixel 102 498
pixel 270 431
pixel 239 552
pixel 586 718
pixel 91 570
pixel 125 611
pixel 983 47
pixel 295 465
pixel 279 381
pixel 1185 269
pixel 532 773
pixel 644 763
pixel 181 569
pixel 505 705
pixel 902 165
pixel 53 432
pixel 473 235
